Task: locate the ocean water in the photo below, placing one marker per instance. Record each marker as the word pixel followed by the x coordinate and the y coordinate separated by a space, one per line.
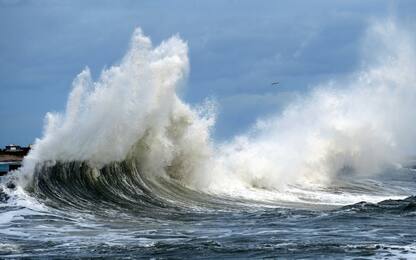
pixel 130 170
pixel 85 218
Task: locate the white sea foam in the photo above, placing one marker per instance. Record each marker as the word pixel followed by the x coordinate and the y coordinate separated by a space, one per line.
pixel 133 103
pixel 356 126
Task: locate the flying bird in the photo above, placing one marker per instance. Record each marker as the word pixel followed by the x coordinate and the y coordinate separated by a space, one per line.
pixel 275 83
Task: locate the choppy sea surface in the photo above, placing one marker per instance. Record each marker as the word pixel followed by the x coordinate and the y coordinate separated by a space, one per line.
pixel 74 216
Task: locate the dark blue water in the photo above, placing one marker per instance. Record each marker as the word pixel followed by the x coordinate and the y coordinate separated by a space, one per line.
pixel 362 230
pixel 62 217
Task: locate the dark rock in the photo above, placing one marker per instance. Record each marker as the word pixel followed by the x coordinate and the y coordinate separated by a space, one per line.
pixel 3 196
pixel 11 185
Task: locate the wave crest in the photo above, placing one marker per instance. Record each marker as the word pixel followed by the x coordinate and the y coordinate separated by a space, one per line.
pixel 356 127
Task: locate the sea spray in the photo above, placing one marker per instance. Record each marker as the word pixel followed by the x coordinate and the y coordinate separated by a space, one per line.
pixel 358 126
pixel 354 128
pixel 133 105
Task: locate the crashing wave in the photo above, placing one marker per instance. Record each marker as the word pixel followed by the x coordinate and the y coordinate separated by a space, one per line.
pixel 128 132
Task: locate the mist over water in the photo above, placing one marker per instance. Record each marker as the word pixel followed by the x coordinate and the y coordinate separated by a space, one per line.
pixel 361 125
pixel 129 154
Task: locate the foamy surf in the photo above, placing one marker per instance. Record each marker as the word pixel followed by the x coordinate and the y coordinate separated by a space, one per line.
pixel 132 116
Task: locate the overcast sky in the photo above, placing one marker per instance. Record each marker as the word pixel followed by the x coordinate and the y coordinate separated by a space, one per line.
pixel 237 48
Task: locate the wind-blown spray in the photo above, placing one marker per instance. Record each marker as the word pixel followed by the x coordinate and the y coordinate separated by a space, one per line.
pixel 357 126
pixel 131 106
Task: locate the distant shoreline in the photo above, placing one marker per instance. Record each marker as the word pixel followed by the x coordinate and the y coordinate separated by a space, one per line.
pixel 11 157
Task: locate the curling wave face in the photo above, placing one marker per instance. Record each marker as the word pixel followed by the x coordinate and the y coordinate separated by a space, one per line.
pixel 128 134
pixel 131 111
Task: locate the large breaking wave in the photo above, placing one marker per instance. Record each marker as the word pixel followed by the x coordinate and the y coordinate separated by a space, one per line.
pixel 127 138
